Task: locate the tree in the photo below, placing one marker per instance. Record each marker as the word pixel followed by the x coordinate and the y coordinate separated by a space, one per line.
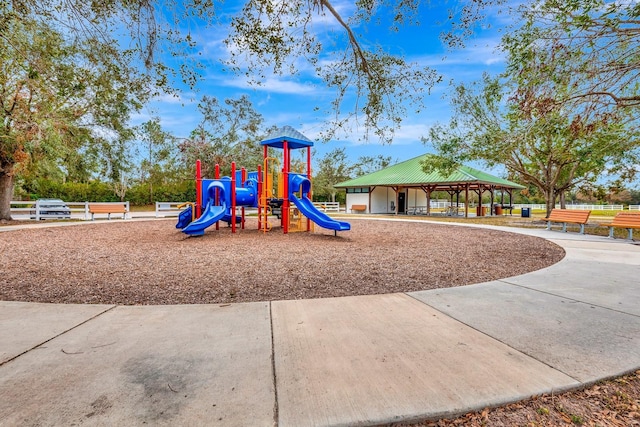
pixel 537 140
pixel 57 97
pixel 565 114
pixel 267 37
pixel 227 133
pixel 158 153
pixel 368 164
pixel 594 45
pixel 333 168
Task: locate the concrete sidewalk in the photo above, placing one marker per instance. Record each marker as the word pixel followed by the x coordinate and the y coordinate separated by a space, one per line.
pixel 364 360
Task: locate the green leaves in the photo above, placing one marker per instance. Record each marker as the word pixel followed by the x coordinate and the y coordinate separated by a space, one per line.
pixel 228 132
pixel 60 98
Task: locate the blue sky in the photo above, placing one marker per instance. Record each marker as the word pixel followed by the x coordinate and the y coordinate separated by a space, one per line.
pixel 290 100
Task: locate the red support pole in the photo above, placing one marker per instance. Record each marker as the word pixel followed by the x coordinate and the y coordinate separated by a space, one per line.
pixel 217 176
pixel 198 188
pixel 259 195
pixel 285 191
pixel 243 175
pixel 233 197
pixel 310 195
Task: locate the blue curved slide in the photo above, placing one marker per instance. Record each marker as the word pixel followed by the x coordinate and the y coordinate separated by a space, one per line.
pixel 184 217
pixel 308 209
pixel 211 214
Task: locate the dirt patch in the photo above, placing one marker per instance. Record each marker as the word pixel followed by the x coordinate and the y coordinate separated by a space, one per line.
pixel 150 262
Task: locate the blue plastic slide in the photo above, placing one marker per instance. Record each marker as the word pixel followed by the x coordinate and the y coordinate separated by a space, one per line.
pixel 308 209
pixel 211 214
pixel 184 217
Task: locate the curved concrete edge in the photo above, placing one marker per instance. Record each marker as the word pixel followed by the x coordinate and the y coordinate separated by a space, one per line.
pixel 390 358
pixel 380 359
pixel 365 360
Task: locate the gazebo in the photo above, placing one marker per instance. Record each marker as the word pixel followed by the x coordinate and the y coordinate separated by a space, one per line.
pixel 405 186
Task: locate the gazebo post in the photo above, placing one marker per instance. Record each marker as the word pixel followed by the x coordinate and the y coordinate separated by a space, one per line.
pixel 492 189
pixel 396 190
pixel 466 200
pixel 369 204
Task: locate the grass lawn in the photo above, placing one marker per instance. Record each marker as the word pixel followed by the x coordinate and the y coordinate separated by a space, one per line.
pixel 536 220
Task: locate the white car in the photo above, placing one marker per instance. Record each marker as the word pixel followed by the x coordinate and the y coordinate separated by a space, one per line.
pixel 51 208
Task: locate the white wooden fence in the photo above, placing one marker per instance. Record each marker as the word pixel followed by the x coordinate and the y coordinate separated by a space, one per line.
pixel 327 206
pixel 21 209
pixel 164 209
pixel 577 207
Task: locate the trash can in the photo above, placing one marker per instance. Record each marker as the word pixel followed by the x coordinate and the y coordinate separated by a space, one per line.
pixel 526 212
pixel 498 209
pixel 481 211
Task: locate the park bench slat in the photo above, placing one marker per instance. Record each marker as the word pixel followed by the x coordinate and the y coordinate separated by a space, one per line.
pixel 565 216
pixel 107 208
pixel 358 208
pixel 627 220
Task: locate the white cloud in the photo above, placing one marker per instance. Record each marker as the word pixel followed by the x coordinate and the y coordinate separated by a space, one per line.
pixel 181 98
pixel 272 85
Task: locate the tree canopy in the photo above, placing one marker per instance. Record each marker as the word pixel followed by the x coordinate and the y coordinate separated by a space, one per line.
pixel 58 98
pixel 593 47
pixel 273 38
pixel 563 115
pixel 229 131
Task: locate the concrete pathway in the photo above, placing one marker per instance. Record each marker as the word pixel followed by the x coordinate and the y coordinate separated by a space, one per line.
pixel 364 360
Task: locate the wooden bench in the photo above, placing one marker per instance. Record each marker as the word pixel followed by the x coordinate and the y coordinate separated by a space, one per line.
pixel 628 220
pixel 569 216
pixel 358 208
pixel 107 208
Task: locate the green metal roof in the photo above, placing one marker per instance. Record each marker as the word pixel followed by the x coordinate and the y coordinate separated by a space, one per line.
pixel 409 173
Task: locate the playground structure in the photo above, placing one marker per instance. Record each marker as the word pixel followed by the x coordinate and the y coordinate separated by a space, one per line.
pixel 218 199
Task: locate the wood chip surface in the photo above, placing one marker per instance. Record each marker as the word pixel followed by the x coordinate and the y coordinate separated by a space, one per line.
pixel 151 262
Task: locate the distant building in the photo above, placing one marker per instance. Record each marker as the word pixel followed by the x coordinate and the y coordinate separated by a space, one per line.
pixel 405 188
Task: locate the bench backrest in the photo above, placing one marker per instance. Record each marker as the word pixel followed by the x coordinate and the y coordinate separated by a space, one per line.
pixel 107 208
pixel 569 215
pixel 627 219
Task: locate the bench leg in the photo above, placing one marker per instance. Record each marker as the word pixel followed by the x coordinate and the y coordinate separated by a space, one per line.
pixel 630 233
pixel 611 232
pixel 564 227
pixel 581 228
pixel 92 218
pixel 548 225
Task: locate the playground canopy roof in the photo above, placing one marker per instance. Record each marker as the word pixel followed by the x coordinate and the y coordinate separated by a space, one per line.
pixel 294 138
pixel 410 174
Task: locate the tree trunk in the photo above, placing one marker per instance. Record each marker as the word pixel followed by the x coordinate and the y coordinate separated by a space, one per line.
pixel 6 193
pixel 550 199
pixel 563 202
